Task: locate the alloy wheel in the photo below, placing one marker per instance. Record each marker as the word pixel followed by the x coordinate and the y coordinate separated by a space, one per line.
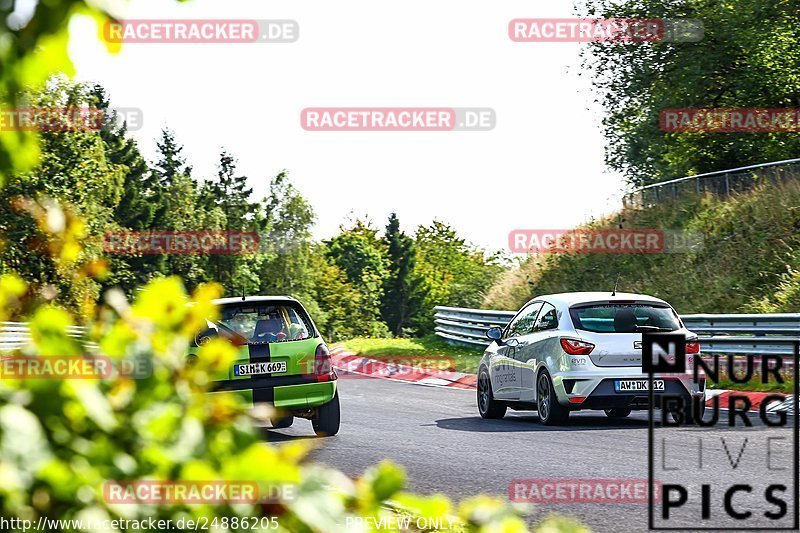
pixel 483 392
pixel 543 397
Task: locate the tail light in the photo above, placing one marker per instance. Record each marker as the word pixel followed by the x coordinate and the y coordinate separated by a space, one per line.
pixel 576 347
pixel 323 368
pixel 692 345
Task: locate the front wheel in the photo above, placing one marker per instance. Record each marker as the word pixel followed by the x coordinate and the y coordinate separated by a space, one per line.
pixel 488 407
pixel 551 412
pixel 326 421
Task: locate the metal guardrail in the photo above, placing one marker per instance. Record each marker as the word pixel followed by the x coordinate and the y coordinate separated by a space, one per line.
pixel 764 334
pixel 15 335
pixel 722 182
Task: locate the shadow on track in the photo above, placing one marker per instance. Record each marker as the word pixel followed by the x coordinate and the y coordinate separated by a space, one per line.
pixel 530 422
pixel 274 435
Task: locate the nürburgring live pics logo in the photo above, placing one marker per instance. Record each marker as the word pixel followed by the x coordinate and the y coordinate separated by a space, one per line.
pixel 736 473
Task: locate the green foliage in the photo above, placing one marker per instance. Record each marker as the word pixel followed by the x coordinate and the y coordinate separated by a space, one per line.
pixel 748 58
pixel 786 298
pixel 453 272
pixel 62 440
pixel 30 52
pixel 75 168
pixel 402 286
pixel 286 243
pixel 750 250
pixel 361 255
pixel 355 284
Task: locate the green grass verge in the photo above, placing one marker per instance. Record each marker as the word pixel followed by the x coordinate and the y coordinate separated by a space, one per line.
pixel 430 351
pixel 755 385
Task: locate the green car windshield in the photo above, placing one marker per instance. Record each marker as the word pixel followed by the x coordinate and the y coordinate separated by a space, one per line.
pixel 265 323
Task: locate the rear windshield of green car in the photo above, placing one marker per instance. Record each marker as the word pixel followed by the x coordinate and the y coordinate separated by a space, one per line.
pixel 266 323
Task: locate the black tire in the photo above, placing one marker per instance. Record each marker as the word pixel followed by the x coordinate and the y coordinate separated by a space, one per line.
pixel 551 413
pixel 617 412
pixel 326 422
pixel 282 421
pixel 488 407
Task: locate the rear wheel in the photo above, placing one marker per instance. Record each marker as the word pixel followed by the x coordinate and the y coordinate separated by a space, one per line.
pixel 282 421
pixel 488 407
pixel 326 421
pixel 551 412
pixel 617 412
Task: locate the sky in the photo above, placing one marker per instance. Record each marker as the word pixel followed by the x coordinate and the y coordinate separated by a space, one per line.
pixel 541 167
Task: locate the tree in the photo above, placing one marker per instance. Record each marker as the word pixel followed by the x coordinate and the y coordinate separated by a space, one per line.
pixel 749 57
pixel 172 163
pixel 76 171
pixel 401 287
pixel 231 195
pixel 141 202
pixel 31 53
pixel 285 239
pixel 362 257
pixel 181 208
pixel 453 272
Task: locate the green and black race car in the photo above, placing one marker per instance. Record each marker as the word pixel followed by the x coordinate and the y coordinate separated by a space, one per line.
pixel 282 360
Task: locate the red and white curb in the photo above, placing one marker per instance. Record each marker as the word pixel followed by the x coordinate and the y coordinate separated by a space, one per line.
pixel 349 363
pixel 787 405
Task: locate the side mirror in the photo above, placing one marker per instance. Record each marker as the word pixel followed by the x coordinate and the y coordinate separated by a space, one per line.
pixel 494 333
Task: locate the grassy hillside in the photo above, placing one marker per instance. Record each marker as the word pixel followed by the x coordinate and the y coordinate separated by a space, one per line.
pixel 749 262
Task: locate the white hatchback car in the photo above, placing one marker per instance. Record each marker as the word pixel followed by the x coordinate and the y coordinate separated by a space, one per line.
pixel 581 350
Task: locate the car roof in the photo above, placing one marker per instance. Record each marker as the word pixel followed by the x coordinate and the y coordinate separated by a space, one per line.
pixel 568 299
pixel 254 299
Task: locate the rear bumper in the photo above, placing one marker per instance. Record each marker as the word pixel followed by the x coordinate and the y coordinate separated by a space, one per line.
pixel 600 393
pixel 604 396
pixel 287 392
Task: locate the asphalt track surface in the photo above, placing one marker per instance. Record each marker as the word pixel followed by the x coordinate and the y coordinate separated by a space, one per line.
pixel 437 434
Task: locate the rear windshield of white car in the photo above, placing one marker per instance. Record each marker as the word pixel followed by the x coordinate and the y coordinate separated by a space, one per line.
pixel 624 318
